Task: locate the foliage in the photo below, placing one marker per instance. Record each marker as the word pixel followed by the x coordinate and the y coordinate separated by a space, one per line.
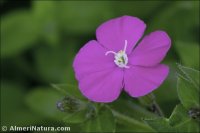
pixel 185 117
pixel 38 45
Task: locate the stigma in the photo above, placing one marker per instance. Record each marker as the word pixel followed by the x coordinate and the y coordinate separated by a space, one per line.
pixel 120 58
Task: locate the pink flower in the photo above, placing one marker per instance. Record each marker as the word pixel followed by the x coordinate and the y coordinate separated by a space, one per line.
pixel 112 63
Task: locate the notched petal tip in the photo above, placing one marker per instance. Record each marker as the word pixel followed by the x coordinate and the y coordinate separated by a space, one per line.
pixel 112 33
pixel 151 50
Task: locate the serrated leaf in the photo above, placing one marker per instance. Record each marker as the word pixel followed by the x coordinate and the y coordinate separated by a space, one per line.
pixel 181 121
pixel 191 74
pixel 188 94
pixel 160 125
pixel 103 122
pixel 43 101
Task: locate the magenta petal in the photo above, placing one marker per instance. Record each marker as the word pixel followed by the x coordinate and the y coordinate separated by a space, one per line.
pixel 99 78
pixel 151 50
pixel 104 86
pixel 140 81
pixel 113 33
pixel 90 59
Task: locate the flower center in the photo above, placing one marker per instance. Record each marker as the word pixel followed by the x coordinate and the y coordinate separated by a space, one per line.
pixel 121 58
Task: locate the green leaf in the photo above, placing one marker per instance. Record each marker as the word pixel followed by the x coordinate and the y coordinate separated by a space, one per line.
pixel 189 126
pixel 167 103
pixel 130 122
pixel 81 17
pixel 13 109
pixel 181 121
pixel 53 63
pixel 18 33
pixel 77 117
pixel 169 17
pixel 46 16
pixel 133 8
pixel 160 125
pixel 123 127
pixel 73 17
pixel 178 115
pixel 131 109
pixel 69 89
pixel 188 52
pixel 43 101
pixel 103 122
pixel 191 74
pixel 188 94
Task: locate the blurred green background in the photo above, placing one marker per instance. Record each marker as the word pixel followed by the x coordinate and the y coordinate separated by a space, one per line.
pixel 39 40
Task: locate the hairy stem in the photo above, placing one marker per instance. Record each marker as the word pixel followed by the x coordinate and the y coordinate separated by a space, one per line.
pixel 150 102
pixel 157 109
pixel 125 119
pixel 155 106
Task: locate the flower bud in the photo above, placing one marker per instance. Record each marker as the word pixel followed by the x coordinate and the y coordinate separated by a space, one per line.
pixel 194 113
pixel 70 104
pixel 91 113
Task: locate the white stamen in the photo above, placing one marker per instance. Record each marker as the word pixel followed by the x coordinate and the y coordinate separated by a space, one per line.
pixel 121 58
pixel 125 45
pixel 110 52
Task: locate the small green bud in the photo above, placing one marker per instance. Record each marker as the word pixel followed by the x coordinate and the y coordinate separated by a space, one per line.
pixel 194 113
pixel 70 104
pixel 91 113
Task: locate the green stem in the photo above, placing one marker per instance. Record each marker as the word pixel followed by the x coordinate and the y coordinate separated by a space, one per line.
pixel 150 101
pixel 141 111
pixel 124 119
pixel 158 109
